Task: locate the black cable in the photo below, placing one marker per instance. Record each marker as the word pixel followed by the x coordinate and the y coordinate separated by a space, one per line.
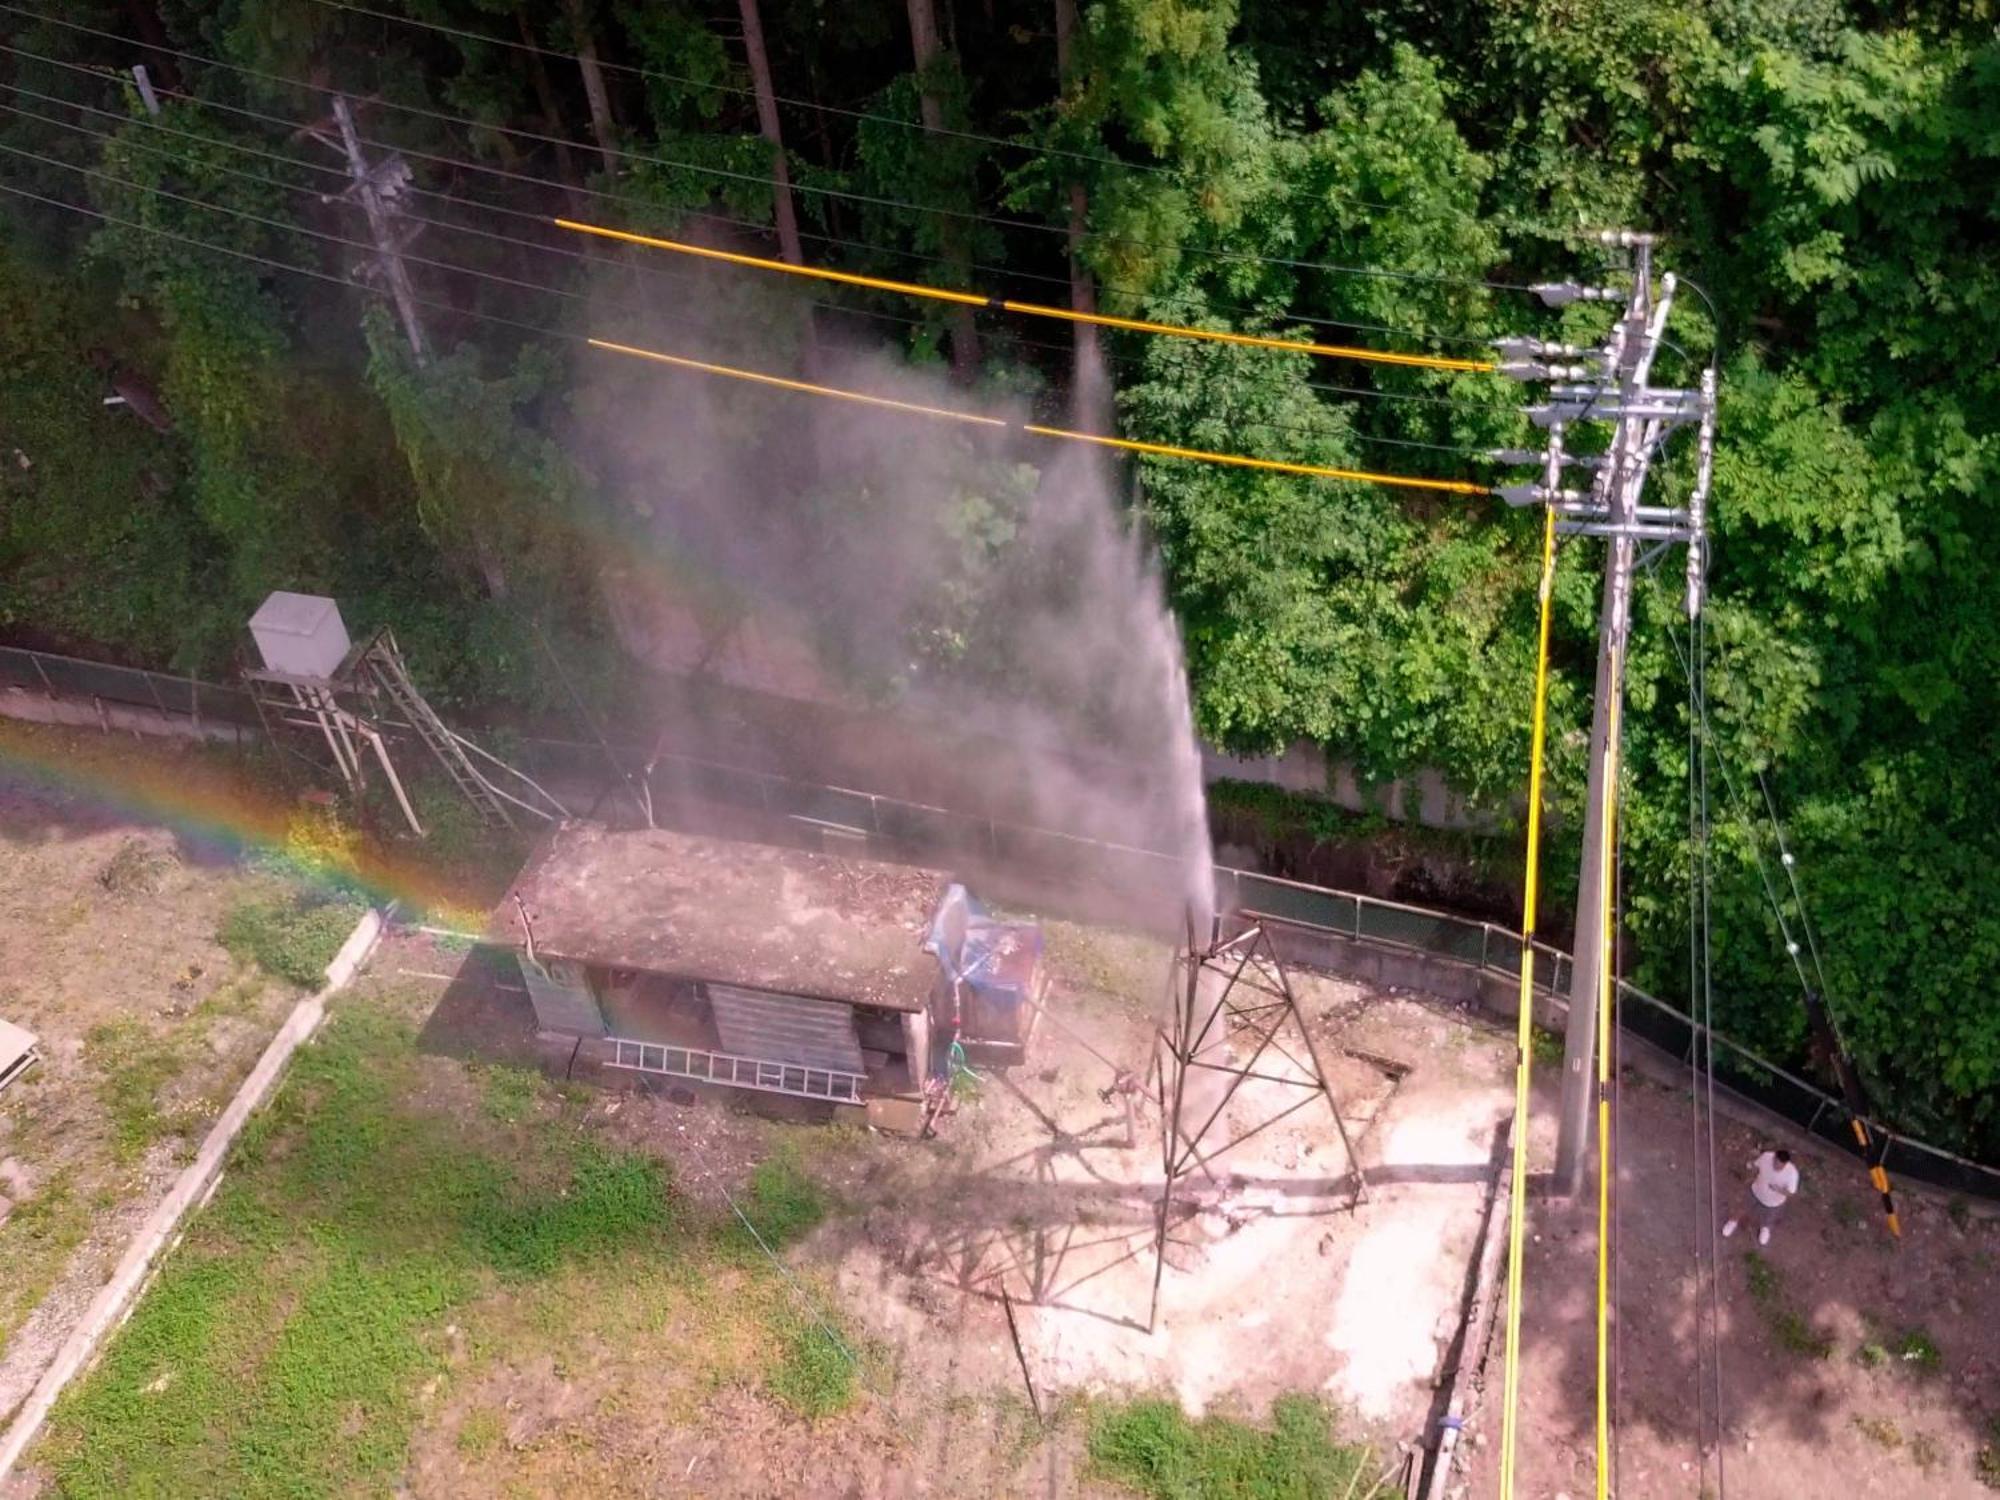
pixel 566 251
pixel 1226 414
pixel 296 270
pixel 760 180
pixel 508 174
pixel 289 228
pixel 321 275
pixel 751 93
pixel 1798 900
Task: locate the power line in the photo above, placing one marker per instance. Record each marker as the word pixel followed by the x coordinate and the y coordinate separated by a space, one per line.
pixel 1128 445
pixel 289 228
pixel 573 190
pixel 544 247
pixel 1462 487
pixel 873 200
pixel 269 263
pixel 566 252
pixel 1036 309
pixel 560 250
pixel 738 90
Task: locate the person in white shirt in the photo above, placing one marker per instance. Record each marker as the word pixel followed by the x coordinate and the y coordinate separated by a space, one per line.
pixel 1777 1179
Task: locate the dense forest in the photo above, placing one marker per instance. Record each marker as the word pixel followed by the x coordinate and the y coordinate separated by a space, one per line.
pixel 1820 170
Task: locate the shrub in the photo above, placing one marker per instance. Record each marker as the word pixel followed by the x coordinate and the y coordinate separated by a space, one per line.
pixel 288 938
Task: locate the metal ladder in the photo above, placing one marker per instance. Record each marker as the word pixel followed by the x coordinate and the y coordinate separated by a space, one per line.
pixel 384 666
pixel 704 1065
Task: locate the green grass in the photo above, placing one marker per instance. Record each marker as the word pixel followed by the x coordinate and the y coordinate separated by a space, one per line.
pixel 480 1432
pixel 1152 1447
pixel 509 1094
pixel 134 1067
pixel 1913 1349
pixel 781 1201
pixel 289 938
pixel 40 1235
pixel 284 1347
pixel 1790 1327
pixel 813 1375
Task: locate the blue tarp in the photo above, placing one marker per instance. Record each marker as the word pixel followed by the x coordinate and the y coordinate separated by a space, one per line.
pixel 993 962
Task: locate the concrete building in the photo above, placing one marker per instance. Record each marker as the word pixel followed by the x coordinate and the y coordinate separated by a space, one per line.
pixel 742 965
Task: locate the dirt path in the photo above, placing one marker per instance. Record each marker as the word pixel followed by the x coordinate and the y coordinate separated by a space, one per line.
pixel 1851 1365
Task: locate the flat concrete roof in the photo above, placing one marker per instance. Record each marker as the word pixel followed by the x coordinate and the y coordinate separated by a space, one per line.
pixel 754 915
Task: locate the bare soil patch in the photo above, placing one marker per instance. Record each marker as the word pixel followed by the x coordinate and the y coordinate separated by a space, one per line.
pixel 1852 1364
pixel 1276 1281
pixel 109 953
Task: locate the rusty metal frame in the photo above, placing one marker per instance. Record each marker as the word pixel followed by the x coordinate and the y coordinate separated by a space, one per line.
pixel 1256 997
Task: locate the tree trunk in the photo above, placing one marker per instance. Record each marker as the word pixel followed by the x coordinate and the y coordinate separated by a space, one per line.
pixel 929 54
pixel 602 124
pixel 545 98
pixel 145 16
pixel 767 123
pixel 492 571
pixel 1089 388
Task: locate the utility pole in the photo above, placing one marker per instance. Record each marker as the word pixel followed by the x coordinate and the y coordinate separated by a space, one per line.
pixel 1642 417
pixel 377 187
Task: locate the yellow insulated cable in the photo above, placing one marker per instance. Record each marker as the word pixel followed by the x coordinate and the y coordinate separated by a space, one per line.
pixel 806 387
pixel 764 263
pixel 1517 1202
pixel 1158 450
pixel 1279 466
pixel 1606 1160
pixel 1032 309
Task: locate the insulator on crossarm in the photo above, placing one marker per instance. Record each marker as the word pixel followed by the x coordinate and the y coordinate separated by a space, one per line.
pixel 1563 293
pixel 1533 369
pixel 1521 347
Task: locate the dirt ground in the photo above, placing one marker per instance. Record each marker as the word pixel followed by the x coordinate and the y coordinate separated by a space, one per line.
pixel 1277 1280
pixel 108 953
pixel 1851 1364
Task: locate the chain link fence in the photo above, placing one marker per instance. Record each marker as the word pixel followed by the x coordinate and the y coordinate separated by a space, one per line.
pixel 910 826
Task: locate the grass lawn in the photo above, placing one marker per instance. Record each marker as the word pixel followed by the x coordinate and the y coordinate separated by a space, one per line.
pixel 1153 1447
pixel 394 1231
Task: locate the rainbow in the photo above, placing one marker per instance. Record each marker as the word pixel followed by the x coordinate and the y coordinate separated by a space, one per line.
pixel 198 793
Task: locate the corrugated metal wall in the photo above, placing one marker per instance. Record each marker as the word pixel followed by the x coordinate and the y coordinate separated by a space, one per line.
pixel 785 1028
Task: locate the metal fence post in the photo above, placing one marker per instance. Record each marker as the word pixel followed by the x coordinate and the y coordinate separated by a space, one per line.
pixel 160 703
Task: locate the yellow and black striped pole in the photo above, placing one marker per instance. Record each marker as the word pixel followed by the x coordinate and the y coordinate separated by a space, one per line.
pixel 1874 1149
